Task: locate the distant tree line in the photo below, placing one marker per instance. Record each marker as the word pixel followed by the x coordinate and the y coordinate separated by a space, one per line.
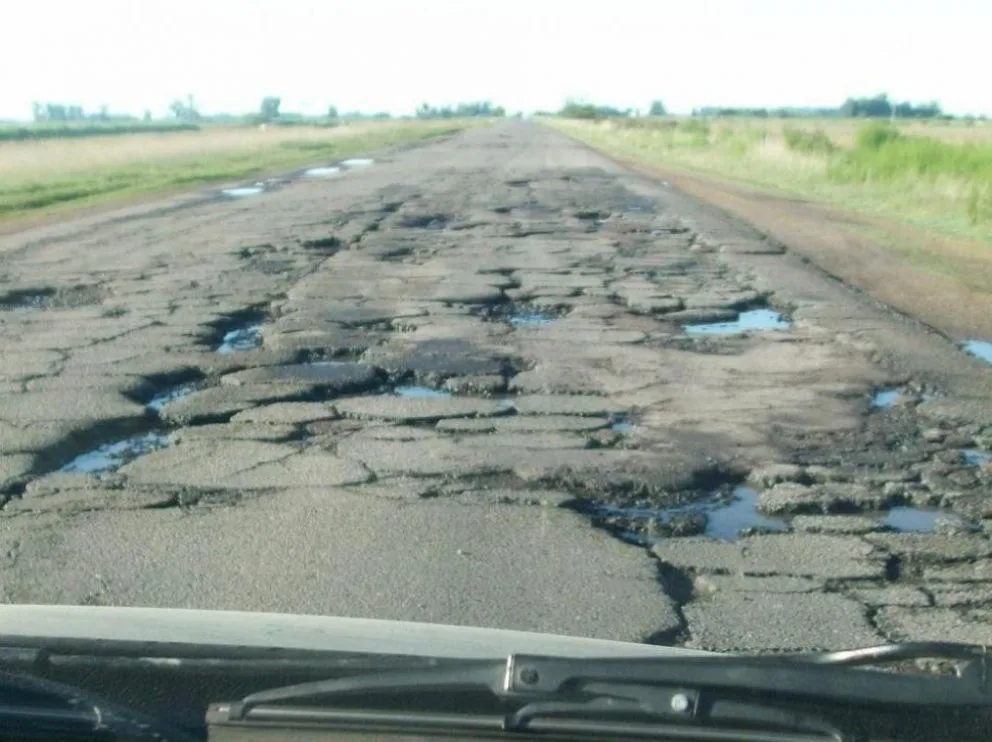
pixel 878 106
pixel 61 113
pixel 462 110
pixel 574 109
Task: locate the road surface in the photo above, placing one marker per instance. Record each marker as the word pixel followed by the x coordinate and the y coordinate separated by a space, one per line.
pixel 466 384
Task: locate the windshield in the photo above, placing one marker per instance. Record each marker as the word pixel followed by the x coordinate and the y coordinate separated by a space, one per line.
pixel 658 323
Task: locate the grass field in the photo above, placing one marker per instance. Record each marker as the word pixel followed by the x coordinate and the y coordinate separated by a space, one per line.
pixel 10 132
pixel 936 177
pixel 44 176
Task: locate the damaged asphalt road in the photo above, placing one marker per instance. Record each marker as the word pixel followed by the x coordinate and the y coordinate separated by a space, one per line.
pixel 479 382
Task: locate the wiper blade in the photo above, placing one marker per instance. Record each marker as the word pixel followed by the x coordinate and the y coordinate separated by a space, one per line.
pixel 38 708
pixel 759 696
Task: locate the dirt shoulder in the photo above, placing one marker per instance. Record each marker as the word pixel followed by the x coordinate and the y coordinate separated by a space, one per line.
pixel 839 243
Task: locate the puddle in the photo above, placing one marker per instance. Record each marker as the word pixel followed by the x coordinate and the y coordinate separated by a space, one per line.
pixel 244 191
pixel 161 399
pixel 912 520
pixel 621 424
pixel 321 172
pixel 27 300
pixel 239 339
pixel 358 162
pixel 111 456
pixel 975 458
pixel 755 319
pixel 535 318
pixel 980 349
pixel 421 392
pixel 727 521
pixel 724 520
pixel 885 398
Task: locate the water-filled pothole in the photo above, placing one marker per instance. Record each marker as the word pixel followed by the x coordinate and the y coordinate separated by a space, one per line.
pixel 243 191
pixel 622 424
pixel 533 318
pixel 885 398
pixel 421 392
pixel 163 398
pixel 973 457
pixel 719 519
pixel 911 520
pixel 754 319
pixel 25 300
pixel 358 162
pixel 109 457
pixel 322 172
pixel 246 337
pixel 980 349
pixel 522 315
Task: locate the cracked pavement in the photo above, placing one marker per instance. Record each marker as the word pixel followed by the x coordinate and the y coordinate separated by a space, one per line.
pixel 456 387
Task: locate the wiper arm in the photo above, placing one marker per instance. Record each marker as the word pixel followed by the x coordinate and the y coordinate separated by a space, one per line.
pixel 759 697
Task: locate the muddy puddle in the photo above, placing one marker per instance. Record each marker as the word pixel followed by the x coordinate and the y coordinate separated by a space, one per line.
pixel 240 339
pixel 163 398
pixel 980 349
pixel 322 172
pixel 112 456
pixel 750 321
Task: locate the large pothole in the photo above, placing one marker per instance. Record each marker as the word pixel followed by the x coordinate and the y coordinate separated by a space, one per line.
pixel 753 320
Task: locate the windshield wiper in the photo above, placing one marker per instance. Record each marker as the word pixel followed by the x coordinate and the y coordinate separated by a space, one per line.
pixel 37 708
pixel 813 696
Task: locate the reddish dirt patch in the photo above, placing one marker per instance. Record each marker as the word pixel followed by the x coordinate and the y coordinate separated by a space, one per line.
pixel 830 238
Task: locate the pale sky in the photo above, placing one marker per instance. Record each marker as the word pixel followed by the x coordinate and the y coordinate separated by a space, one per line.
pixel 524 54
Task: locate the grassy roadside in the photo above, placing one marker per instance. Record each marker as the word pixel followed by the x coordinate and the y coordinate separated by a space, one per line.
pixel 933 184
pixel 42 177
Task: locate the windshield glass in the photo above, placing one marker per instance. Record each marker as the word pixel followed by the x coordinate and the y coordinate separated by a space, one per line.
pixel 664 323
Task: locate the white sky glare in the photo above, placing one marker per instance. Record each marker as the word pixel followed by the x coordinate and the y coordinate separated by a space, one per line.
pixel 375 55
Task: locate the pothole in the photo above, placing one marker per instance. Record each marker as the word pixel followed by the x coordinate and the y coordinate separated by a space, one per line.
pixel 238 331
pixel 883 399
pixel 718 518
pixel 25 300
pixel 912 520
pixel 621 423
pixel 972 457
pixel 109 457
pixel 244 191
pixel 421 392
pixel 751 320
pixel 46 297
pixel 358 162
pixel 240 339
pixel 522 315
pixel 322 172
pixel 980 349
pixel 173 394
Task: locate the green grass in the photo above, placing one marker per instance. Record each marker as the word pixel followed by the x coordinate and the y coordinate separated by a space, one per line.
pixel 30 194
pixel 24 132
pixel 931 178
